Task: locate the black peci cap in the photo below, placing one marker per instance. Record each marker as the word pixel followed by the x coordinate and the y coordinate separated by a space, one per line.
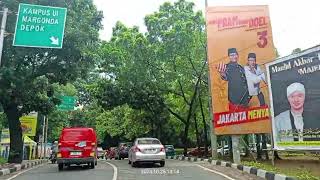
pixel 232 50
pixel 252 55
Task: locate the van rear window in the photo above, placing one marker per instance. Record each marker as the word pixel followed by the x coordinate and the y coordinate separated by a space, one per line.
pixel 75 136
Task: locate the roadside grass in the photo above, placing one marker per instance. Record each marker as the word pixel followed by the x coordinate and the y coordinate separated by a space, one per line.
pixel 2 161
pixel 179 151
pixel 299 173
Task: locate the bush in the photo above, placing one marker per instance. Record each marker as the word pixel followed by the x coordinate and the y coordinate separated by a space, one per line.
pixel 2 161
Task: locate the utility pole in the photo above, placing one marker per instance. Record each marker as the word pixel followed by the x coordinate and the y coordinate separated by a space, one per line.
pixel 45 135
pixel 3 29
pixel 42 139
pixel 213 136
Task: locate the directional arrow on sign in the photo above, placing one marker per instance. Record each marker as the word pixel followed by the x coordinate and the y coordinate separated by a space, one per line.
pixel 54 40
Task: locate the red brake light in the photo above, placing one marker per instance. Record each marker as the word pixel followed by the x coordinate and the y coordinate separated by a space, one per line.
pixel 162 149
pixel 136 149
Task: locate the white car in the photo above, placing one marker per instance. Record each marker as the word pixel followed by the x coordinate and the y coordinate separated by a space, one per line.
pixel 147 150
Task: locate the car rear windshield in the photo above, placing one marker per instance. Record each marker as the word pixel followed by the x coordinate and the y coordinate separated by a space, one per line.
pixel 148 141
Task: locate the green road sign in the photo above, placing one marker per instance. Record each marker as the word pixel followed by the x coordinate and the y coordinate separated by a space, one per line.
pixel 40 26
pixel 67 103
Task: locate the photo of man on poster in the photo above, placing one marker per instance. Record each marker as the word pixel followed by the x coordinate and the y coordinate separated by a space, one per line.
pixel 294 123
pixel 234 74
pixel 254 76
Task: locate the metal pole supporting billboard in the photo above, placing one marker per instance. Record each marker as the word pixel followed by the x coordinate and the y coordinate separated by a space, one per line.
pixel 213 137
pixel 3 29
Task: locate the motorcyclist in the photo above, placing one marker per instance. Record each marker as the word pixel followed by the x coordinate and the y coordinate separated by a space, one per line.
pixel 54 150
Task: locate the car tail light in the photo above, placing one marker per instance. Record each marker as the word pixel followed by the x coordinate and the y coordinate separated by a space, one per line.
pixel 59 144
pixel 136 149
pixel 162 149
pixel 59 155
pixel 93 144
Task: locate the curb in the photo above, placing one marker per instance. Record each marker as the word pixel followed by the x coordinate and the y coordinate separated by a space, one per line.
pixel 18 167
pixel 251 170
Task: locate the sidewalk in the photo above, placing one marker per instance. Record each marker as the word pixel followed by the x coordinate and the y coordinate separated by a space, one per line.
pixel 10 168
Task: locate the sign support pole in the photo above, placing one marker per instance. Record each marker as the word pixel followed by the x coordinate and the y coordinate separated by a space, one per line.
pixel 236 149
pixel 3 29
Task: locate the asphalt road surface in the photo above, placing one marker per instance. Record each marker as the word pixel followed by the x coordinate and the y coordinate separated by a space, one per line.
pixel 121 170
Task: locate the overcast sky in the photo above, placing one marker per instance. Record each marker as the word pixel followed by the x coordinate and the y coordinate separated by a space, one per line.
pixel 295 24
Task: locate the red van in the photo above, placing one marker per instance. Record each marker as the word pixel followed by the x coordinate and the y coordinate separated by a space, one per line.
pixel 77 146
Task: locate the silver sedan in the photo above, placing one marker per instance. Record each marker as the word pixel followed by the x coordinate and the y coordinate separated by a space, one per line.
pixel 147 150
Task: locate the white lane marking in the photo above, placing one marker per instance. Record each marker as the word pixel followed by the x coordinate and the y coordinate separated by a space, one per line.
pixel 216 172
pixel 115 171
pixel 13 177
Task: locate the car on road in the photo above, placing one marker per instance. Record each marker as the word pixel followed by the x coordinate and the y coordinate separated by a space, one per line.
pixel 110 153
pixel 146 150
pixel 197 152
pixel 170 151
pixel 77 146
pixel 122 150
pixel 100 152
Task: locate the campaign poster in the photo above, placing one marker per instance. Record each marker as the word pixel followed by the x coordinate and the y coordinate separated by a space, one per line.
pixel 295 100
pixel 239 44
pixel 29 124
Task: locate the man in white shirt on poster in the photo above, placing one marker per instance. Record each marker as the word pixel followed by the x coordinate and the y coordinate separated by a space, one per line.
pixel 254 76
pixel 291 122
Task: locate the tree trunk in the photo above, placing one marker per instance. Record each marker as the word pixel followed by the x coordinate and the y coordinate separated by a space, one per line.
pixel 16 143
pixel 230 147
pixel 258 141
pixel 247 145
pixel 204 127
pixel 276 155
pixel 197 133
pixel 264 146
pixel 185 139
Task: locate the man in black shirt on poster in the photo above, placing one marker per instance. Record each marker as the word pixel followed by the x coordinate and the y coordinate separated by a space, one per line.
pixel 234 73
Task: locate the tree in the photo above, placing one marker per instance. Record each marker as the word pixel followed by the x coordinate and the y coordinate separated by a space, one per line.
pixel 27 74
pixel 177 36
pixel 297 50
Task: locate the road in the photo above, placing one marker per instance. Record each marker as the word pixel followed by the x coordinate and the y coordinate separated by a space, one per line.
pixel 174 170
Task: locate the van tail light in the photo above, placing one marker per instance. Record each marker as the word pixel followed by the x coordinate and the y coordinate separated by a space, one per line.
pixel 92 154
pixel 136 149
pixel 93 144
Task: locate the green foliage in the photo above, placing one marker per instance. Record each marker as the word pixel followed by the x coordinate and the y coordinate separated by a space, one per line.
pixel 57 121
pixel 2 161
pixel 122 121
pixel 297 50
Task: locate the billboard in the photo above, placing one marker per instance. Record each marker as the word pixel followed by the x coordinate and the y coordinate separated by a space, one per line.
pixel 295 100
pixel 29 124
pixel 239 43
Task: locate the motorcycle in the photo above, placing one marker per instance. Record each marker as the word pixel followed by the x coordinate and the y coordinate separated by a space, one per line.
pixel 53 158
